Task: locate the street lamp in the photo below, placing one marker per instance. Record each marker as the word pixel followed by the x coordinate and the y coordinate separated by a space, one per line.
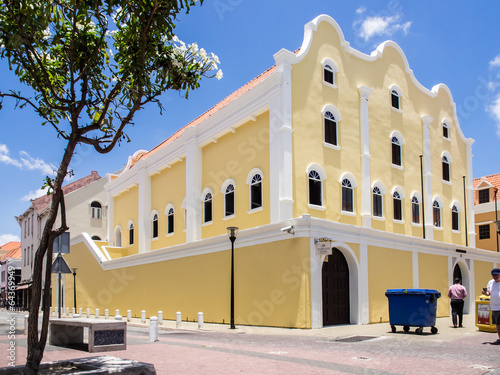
pixel 497 222
pixel 232 232
pixel 74 286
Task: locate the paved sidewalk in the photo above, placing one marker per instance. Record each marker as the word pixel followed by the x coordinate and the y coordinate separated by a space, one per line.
pixel 216 349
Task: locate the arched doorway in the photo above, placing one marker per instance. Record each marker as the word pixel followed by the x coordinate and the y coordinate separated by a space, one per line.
pixel 335 282
pixel 457 273
pixel 461 272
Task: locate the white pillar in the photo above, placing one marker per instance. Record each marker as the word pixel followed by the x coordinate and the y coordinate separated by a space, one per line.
pixel 73 311
pixel 366 199
pixel 106 313
pixel 144 227
pixel 363 287
pixel 471 222
pixel 88 313
pixel 280 146
pixel 427 193
pixel 153 329
pixel 200 320
pixel 111 215
pixel 143 317
pixel 194 164
pixel 178 319
pixel 160 317
pixel 97 313
pixel 129 315
pixel 117 312
pixel 80 311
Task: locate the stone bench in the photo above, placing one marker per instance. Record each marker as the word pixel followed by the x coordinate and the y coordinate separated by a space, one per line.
pixel 103 335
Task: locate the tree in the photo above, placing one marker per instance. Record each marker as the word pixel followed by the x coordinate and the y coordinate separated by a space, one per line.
pixel 92 64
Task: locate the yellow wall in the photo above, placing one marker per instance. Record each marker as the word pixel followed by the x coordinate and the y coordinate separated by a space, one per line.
pixel 126 208
pixel 310 95
pixel 487 243
pixel 482 273
pixel 268 291
pixel 169 187
pixel 387 269
pixel 433 274
pixel 233 157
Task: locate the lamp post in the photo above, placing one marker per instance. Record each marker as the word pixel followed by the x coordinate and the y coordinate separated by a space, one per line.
pixel 74 286
pixel 232 232
pixel 497 223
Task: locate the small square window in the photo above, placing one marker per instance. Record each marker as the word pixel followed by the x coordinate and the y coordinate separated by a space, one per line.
pixel 484 232
pixel 484 196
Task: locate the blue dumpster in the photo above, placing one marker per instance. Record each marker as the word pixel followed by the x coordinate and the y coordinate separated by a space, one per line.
pixel 413 308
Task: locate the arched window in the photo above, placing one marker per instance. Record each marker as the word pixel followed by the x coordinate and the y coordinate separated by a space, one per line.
pixel 170 220
pixel 446 130
pixel 207 208
pixel 131 234
pixel 347 196
pixel 96 238
pixel 155 226
pixel 330 128
pixel 329 70
pixel 436 214
pixel 397 206
pixel 377 202
pixel 315 189
pixel 446 169
pixel 256 192
pixel 396 151
pixel 118 236
pixel 454 218
pixel 229 200
pixel 396 97
pixel 95 210
pixel 415 211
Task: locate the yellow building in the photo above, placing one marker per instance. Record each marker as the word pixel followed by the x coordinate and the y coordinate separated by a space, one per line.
pixel 486 198
pixel 327 143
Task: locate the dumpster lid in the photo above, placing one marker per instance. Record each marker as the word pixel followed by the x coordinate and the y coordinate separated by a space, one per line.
pixel 412 291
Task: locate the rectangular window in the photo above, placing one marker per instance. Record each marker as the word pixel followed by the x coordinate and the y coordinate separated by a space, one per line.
pixel 256 195
pixel 330 132
pixel 328 76
pixel 377 205
pixel 32 223
pixel 445 131
pixel 229 204
pixel 398 212
pixel 415 213
pixel 484 232
pixel 454 220
pixel 396 154
pixel 315 192
pixel 484 196
pixel 436 216
pixel 446 172
pixel 395 101
pixel 170 223
pixel 347 199
pixel 207 208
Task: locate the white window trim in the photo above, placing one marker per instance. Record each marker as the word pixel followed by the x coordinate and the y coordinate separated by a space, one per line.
pixel 316 207
pixel 348 213
pixel 229 217
pixel 258 209
pixel 329 145
pixel 250 176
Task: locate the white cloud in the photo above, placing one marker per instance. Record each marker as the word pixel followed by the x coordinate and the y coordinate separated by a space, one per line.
pixel 495 63
pixel 494 110
pixel 4 238
pixel 360 10
pixel 26 161
pixel 34 194
pixel 379 25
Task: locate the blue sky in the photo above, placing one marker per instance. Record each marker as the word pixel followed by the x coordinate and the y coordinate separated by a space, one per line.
pixel 456 43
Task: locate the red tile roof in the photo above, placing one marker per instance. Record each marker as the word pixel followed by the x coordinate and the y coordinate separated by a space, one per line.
pixel 493 179
pixel 11 249
pixel 42 203
pixel 242 90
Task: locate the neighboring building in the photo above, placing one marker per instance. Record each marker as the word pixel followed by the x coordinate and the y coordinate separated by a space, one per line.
pixel 486 202
pixel 327 143
pixel 10 265
pixel 85 202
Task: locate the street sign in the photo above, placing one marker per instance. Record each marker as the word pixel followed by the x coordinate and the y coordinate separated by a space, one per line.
pixel 61 244
pixel 60 266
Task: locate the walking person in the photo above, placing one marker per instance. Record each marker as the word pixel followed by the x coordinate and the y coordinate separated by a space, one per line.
pixel 493 290
pixel 457 293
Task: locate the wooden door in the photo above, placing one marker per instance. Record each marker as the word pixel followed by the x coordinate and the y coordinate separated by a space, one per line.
pixel 335 275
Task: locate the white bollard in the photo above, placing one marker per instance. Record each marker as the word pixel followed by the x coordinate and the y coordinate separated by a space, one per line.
pixel 160 318
pixel 129 315
pixel 153 329
pixel 117 312
pixel 200 320
pixel 88 313
pixel 143 317
pixel 73 311
pixel 67 311
pixel 106 313
pixel 118 317
pixel 97 313
pixel 178 320
pixel 80 311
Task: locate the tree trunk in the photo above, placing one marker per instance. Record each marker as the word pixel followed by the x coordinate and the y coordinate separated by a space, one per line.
pixel 36 344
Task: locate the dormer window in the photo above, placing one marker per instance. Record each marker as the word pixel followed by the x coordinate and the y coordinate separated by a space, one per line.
pixel 329 70
pixel 95 210
pixel 484 196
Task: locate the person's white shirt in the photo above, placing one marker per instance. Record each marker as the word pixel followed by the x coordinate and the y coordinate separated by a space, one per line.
pixel 493 289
